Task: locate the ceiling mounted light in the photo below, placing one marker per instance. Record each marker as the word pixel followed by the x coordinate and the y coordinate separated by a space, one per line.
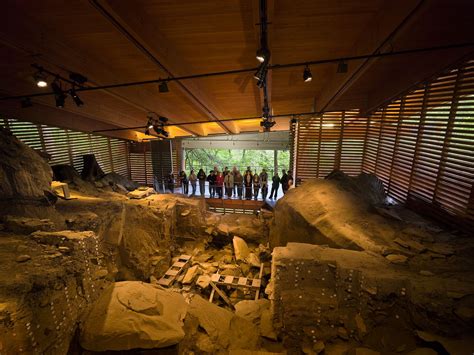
pixel 261 75
pixel 307 76
pixel 76 98
pixel 342 67
pixel 40 79
pixel 26 102
pixel 163 87
pixel 263 54
pixel 59 95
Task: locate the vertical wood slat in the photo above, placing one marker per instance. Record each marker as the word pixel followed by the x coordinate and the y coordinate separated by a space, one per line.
pixel 449 131
pixel 396 143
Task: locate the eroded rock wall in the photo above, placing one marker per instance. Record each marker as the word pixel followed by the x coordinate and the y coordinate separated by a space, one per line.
pixel 324 294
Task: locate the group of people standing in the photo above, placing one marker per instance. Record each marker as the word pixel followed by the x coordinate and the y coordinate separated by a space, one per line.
pixel 232 183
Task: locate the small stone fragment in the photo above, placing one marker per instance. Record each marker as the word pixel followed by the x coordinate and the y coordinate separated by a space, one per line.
pixel 23 258
pixel 396 258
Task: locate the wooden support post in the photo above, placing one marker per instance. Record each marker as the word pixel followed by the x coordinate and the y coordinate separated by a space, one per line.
pixel 220 293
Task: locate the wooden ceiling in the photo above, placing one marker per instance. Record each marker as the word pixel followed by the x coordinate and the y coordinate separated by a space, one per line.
pixel 116 41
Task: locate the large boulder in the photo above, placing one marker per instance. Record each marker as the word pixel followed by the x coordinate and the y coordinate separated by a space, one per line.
pixel 332 212
pixel 112 179
pixel 25 175
pixel 134 315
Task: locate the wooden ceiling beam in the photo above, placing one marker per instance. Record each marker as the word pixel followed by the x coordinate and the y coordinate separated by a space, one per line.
pixel 388 24
pixel 127 18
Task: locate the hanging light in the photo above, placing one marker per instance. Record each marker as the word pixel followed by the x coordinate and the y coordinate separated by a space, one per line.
pixel 163 87
pixel 75 97
pixel 342 67
pixel 59 95
pixel 307 76
pixel 263 54
pixel 40 79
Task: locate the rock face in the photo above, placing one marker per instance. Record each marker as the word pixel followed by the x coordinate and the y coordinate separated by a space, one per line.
pixel 24 174
pixel 329 212
pixel 326 293
pixel 224 329
pixel 134 315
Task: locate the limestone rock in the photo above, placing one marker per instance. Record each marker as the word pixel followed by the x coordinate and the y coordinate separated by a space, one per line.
pixel 253 260
pixel 361 327
pixel 203 281
pixel 23 258
pixel 132 315
pixel 117 179
pixel 228 330
pixel 23 172
pixel 410 244
pixel 426 273
pixel 23 225
pixel 396 258
pixel 241 249
pixel 190 274
pixel 318 347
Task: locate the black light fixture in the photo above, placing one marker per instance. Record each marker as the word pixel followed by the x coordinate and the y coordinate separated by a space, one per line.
pixel 40 79
pixel 261 74
pixel 307 76
pixel 26 102
pixel 342 67
pixel 147 131
pixel 75 97
pixel 163 87
pixel 263 54
pixel 59 95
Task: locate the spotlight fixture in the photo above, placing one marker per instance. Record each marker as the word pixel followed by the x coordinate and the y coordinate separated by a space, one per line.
pixel 267 124
pixel 59 95
pixel 307 76
pixel 40 79
pixel 162 119
pixel 26 102
pixel 163 87
pixel 261 75
pixel 342 67
pixel 293 120
pixel 263 54
pixel 75 97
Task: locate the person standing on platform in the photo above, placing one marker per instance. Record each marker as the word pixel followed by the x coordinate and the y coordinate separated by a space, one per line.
pixel 238 182
pixel 219 184
pixel 192 180
pixel 275 186
pixel 264 183
pixel 183 180
pixel 226 171
pixel 248 180
pixel 229 183
pixel 284 181
pixel 234 188
pixel 211 179
pixel 290 180
pixel 170 182
pixel 202 181
pixel 256 185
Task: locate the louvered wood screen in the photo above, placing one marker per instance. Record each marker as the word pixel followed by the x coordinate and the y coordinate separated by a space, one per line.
pixel 68 147
pixel 334 140
pixel 141 168
pixel 420 145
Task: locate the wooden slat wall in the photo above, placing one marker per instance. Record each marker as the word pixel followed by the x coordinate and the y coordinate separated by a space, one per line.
pixel 68 147
pixel 334 140
pixel 422 145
